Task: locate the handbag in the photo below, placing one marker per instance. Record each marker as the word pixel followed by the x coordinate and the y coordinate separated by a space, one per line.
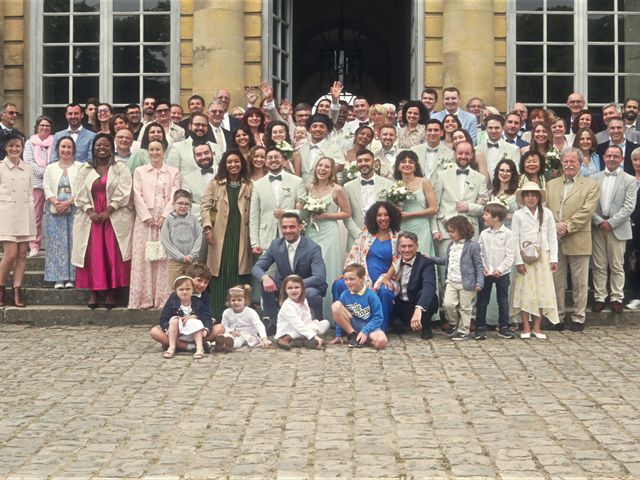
pixel 154 251
pixel 530 252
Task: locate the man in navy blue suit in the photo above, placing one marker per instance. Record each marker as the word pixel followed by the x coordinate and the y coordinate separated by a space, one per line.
pixel 292 254
pixel 82 136
pixel 417 301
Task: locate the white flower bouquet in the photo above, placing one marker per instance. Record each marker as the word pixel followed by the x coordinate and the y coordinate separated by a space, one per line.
pixel 553 159
pixel 312 206
pixel 351 170
pixel 286 149
pixel 399 193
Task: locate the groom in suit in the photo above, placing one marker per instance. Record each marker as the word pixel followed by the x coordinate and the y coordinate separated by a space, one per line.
pixel 363 192
pixel 272 196
pixel 612 229
pixel 292 254
pixel 82 136
pixel 417 301
pixel 495 148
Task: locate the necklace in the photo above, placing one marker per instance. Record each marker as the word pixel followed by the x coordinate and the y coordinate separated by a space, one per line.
pixel 234 184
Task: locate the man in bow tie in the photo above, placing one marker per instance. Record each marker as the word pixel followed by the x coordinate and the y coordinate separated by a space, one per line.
pixel 617 133
pixel 434 155
pixel 361 111
pixel 273 195
pixel 180 154
pixel 416 302
pixel 495 148
pixel 573 199
pixel 363 192
pixel 512 129
pixel 196 182
pixel 82 136
pixel 459 191
pixel 612 229
pixel 385 158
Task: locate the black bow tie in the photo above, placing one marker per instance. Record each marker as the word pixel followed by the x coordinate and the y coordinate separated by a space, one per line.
pixel 364 124
pixel 71 132
pixel 273 178
pixel 510 141
pixel 462 172
pixel 492 145
pixel 206 170
pixel 611 174
pixel 366 182
pixel 406 264
pixel 432 150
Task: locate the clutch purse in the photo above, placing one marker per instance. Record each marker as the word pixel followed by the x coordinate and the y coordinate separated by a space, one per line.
pixel 154 251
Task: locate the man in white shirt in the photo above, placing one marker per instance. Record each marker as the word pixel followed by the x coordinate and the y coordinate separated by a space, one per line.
pixel 82 136
pixel 495 148
pixel 434 155
pixel 217 133
pixel 385 158
pixel 123 141
pixel 612 229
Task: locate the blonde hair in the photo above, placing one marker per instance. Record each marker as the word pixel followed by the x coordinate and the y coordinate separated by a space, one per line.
pixel 237 290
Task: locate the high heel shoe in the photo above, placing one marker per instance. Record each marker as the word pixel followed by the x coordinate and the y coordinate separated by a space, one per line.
pixel 93 300
pixel 17 297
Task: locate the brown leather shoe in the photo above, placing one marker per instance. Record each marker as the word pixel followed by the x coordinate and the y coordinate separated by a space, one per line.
pixel 597 307
pixel 3 290
pixel 284 342
pixel 17 297
pixel 616 307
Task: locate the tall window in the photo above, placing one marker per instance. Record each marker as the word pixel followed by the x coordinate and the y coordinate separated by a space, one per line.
pixel 276 17
pixel 115 50
pixel 561 46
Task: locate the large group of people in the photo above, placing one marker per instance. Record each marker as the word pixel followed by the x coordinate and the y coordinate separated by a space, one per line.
pixel 366 217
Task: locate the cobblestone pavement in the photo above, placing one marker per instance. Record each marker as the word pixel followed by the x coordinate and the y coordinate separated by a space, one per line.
pixel 97 402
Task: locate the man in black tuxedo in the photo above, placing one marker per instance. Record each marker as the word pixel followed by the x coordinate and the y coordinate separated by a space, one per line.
pixel 617 137
pixel 417 301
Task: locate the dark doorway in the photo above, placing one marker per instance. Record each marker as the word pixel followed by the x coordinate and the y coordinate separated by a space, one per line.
pixel 370 40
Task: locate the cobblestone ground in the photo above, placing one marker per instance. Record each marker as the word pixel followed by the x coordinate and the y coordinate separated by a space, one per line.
pixel 95 402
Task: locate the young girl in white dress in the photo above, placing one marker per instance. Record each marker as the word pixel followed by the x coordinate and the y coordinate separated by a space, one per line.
pixel 533 291
pixel 240 324
pixel 184 324
pixel 296 327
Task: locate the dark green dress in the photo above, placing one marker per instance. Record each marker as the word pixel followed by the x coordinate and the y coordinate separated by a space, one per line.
pixel 228 275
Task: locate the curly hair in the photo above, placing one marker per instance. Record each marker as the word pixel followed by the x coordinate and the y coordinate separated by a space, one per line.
pixel 413 156
pixel 395 218
pixel 92 161
pixel 462 225
pixel 424 114
pixel 245 129
pixel 222 173
pixel 144 143
pixel 268 141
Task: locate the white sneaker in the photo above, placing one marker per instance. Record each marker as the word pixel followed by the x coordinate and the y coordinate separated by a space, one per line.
pixel 68 285
pixel 33 252
pixel 634 304
pixel 58 285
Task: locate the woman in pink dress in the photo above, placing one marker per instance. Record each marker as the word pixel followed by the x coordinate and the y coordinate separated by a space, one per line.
pixel 153 188
pixel 103 224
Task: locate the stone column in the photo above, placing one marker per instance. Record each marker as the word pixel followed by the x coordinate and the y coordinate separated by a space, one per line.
pixel 468 48
pixel 218 48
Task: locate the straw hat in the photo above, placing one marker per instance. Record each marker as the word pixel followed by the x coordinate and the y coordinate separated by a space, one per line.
pixel 530 187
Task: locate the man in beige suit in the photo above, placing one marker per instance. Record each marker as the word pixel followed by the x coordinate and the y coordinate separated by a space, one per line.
pixel 495 148
pixel 434 156
pixel 573 199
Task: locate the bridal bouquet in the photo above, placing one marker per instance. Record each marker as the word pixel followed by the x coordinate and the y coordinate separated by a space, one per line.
pixel 286 149
pixel 351 170
pixel 553 159
pixel 312 206
pixel 399 193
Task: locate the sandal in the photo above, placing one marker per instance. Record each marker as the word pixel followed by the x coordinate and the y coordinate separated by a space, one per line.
pixel 198 355
pixel 169 354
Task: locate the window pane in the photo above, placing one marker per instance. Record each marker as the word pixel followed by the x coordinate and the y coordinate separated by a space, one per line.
pixel 126 28
pixel 157 5
pixel 629 5
pixel 85 88
pixel 57 114
pixel 560 5
pixel 56 29
pixel 601 89
pixel 560 28
pixel 157 28
pixel 628 87
pixel 600 28
pixel 629 58
pixel 126 89
pixel 560 58
pixel 528 28
pixel 158 87
pixel 558 89
pixel 156 59
pixel 126 59
pixel 529 58
pixel 55 60
pixel 628 28
pixel 529 89
pixel 55 90
pixel 86 29
pixel 600 5
pixel 126 5
pixel 56 6
pixel 530 5
pixel 86 59
pixel 601 58
pixel 86 5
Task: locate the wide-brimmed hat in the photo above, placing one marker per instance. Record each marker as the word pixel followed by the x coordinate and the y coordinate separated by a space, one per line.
pixel 530 187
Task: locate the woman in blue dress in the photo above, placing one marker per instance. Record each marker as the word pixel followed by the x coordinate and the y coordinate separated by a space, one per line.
pixel 376 248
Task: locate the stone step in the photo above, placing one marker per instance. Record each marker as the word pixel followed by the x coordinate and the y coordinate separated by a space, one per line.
pixel 47 315
pixel 66 296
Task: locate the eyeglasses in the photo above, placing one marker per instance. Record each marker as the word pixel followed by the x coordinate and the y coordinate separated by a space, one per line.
pixel 103 110
pixel 11 112
pixel 216 112
pixel 162 110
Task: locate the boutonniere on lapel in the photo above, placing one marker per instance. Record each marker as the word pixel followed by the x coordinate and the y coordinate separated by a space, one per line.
pixel 469 185
pixel 286 189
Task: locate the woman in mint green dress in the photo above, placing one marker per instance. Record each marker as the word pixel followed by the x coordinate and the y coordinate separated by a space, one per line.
pixel 323 228
pixel 417 212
